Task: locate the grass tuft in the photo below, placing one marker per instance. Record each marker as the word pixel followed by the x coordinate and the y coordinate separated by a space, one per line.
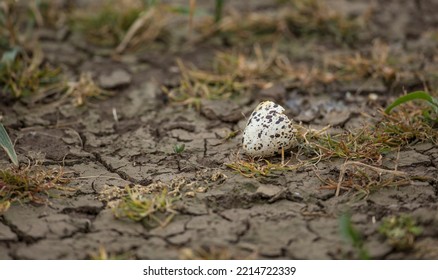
pixel 254 168
pixel 196 85
pixel 365 179
pixel 381 64
pixel 152 210
pixel 126 25
pixel 302 18
pixel 400 231
pixel 107 26
pixel 389 133
pixel 32 184
pixel 314 17
pixel 23 74
pixel 84 89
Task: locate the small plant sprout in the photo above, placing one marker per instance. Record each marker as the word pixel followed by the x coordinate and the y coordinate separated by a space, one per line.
pixel 400 231
pixel 179 148
pixel 268 131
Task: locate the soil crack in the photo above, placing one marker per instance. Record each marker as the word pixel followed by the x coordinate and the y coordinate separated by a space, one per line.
pixel 205 148
pixel 83 211
pixel 111 169
pixel 20 234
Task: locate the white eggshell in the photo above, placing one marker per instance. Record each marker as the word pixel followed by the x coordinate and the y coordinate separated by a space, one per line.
pixel 267 131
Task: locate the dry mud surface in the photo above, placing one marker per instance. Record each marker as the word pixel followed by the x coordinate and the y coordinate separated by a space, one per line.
pixel 221 212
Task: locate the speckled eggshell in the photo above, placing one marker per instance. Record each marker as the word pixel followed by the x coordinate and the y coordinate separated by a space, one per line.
pixel 267 130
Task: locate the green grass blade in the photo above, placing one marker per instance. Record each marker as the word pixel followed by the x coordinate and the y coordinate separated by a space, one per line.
pixel 8 57
pixel 348 231
pixel 352 235
pixel 6 144
pixel 412 96
pixel 218 10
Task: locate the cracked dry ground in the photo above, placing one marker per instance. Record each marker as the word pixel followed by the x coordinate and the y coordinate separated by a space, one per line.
pixel 286 216
pixel 221 212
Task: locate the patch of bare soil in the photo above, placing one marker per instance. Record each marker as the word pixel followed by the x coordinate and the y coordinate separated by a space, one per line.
pixel 220 214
